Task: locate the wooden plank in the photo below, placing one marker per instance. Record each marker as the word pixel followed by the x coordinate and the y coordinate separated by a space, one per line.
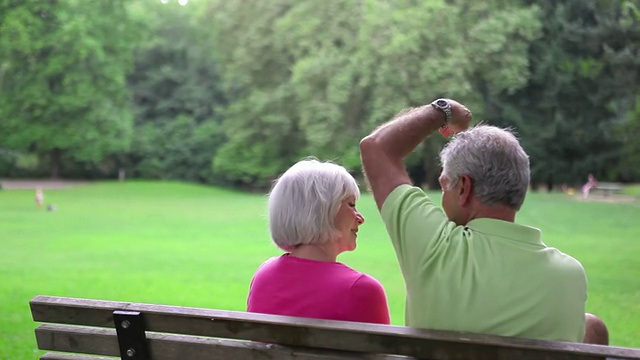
pixel 77 339
pixel 609 185
pixel 608 188
pixel 327 334
pixel 90 340
pixel 61 356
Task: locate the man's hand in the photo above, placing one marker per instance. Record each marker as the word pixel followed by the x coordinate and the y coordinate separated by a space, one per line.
pixel 460 119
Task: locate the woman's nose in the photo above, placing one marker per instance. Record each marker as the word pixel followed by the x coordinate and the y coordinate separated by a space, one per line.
pixel 359 218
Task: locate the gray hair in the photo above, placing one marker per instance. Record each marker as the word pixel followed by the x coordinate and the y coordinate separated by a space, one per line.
pixel 494 160
pixel 305 200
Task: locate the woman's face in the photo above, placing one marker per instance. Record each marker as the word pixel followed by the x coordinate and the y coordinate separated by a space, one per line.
pixel 348 220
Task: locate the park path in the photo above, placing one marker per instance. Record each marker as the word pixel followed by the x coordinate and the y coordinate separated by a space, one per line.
pixel 44 184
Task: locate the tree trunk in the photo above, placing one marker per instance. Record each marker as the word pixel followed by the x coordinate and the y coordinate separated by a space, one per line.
pixel 56 154
pixel 430 165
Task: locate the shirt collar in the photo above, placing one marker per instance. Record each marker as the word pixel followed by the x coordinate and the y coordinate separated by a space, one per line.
pixel 507 229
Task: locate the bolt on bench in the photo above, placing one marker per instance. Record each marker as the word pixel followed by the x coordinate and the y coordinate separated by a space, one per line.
pixel 83 329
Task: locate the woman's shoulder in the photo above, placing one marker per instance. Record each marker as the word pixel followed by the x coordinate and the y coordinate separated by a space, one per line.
pixel 367 281
pixel 269 263
pixel 368 298
pixel 360 279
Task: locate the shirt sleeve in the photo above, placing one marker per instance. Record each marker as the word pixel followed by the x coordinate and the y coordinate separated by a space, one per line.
pixel 418 228
pixel 368 301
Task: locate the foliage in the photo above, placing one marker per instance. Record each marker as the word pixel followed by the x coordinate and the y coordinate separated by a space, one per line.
pixel 234 92
pixel 62 79
pixel 176 93
pixel 585 70
pixel 260 122
pixel 297 94
pixel 629 133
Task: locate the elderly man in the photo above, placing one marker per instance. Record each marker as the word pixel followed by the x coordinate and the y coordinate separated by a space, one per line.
pixel 469 266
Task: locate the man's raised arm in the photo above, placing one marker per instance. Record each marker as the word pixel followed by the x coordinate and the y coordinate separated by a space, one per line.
pixel 383 151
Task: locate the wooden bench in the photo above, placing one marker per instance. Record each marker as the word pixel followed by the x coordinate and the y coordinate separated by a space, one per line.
pixel 608 188
pixel 81 329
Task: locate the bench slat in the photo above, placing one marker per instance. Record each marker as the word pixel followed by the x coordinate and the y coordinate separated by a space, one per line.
pixel 608 188
pixel 327 334
pixel 60 356
pixel 77 339
pixel 81 339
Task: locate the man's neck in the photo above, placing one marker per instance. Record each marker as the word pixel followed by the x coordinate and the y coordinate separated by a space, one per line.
pixel 498 212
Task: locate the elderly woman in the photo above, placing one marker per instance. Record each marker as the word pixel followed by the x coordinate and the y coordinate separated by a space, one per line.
pixel 313 218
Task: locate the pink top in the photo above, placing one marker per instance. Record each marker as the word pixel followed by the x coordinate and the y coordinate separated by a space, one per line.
pixel 288 285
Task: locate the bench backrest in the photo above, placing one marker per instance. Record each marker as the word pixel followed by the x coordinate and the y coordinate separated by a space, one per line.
pixel 609 186
pixel 161 332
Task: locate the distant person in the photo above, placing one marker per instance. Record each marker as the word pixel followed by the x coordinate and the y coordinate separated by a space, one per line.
pixel 586 188
pixel 39 198
pixel 468 266
pixel 568 190
pixel 313 218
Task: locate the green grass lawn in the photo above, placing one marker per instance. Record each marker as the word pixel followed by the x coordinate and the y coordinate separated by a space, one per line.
pixel 633 190
pixel 190 245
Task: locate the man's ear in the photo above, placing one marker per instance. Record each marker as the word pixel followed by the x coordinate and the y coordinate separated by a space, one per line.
pixel 465 189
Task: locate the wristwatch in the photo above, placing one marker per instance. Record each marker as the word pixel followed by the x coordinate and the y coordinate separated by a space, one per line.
pixel 444 106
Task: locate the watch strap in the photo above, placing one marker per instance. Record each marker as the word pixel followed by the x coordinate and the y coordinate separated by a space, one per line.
pixel 444 106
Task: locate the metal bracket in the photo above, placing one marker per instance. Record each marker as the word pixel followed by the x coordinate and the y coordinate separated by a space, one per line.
pixel 131 336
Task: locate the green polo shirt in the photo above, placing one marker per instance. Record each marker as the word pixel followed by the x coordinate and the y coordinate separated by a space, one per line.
pixel 490 276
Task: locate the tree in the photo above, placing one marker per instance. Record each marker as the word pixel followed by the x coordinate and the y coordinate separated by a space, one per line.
pixel 260 122
pixel 177 94
pixel 62 79
pixel 478 50
pixel 585 70
pixel 312 78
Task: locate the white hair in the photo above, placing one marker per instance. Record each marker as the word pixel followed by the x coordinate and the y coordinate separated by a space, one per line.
pixel 305 200
pixel 494 160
